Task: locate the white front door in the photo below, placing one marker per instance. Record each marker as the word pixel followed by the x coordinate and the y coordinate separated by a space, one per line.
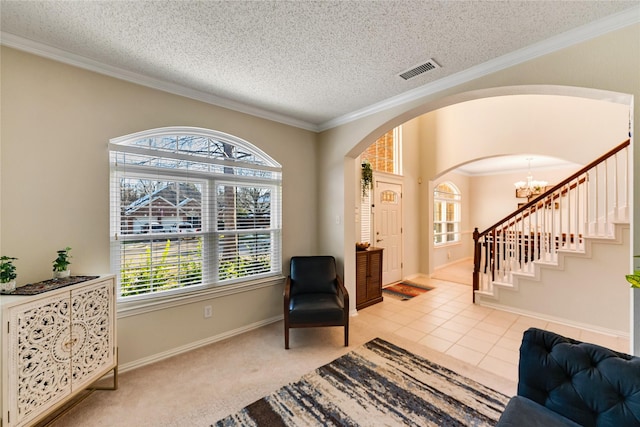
pixel 387 211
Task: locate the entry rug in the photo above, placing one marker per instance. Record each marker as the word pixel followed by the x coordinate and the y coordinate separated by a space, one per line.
pixel 405 290
pixel 377 384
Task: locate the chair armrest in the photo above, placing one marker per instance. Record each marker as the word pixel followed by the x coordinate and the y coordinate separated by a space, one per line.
pixel 343 290
pixel 287 295
pixel 287 287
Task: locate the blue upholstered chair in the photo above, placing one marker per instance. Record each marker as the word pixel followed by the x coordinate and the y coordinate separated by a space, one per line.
pixel 314 295
pixel 565 382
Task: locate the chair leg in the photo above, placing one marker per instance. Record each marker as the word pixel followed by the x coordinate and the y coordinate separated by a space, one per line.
pixel 286 337
pixel 346 335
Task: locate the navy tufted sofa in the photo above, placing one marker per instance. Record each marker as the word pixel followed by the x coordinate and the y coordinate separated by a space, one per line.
pixel 564 382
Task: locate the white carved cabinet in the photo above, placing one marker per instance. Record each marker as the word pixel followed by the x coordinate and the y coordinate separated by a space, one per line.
pixel 55 345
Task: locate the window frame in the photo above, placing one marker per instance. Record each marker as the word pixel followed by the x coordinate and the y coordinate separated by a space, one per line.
pixel 209 284
pixel 455 202
pixel 393 158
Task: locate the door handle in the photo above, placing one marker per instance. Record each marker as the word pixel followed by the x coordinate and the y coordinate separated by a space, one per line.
pixel 379 240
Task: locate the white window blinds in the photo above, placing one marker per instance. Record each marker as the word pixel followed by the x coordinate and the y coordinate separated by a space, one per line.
pixel 192 207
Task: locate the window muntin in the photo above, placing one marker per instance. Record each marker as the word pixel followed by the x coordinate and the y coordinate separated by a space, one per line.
pixel 446 214
pixel 245 230
pixel 384 153
pixel 190 208
pixel 389 197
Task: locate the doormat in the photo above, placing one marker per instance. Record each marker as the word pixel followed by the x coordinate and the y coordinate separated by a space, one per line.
pixel 405 290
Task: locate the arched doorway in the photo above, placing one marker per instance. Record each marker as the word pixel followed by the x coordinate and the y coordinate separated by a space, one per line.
pixel 566 127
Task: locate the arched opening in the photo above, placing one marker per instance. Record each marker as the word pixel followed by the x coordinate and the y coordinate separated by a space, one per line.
pixel 573 124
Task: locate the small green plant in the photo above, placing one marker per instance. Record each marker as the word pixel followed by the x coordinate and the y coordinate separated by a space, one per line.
pixel 634 278
pixel 7 269
pixel 61 263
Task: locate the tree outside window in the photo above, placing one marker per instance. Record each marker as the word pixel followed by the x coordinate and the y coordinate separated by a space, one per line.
pixel 192 208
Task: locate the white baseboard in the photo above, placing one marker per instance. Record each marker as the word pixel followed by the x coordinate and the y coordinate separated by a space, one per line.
pixel 561 321
pixel 449 264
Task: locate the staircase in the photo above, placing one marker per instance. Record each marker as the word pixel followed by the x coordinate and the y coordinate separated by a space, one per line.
pixel 557 256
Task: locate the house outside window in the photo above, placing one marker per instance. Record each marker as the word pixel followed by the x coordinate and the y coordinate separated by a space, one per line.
pixel 446 214
pixel 192 208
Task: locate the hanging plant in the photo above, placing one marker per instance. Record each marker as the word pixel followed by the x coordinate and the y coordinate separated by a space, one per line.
pixel 367 177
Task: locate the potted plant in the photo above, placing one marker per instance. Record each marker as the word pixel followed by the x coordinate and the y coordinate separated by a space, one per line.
pixel 61 264
pixel 7 273
pixel 367 177
pixel 634 278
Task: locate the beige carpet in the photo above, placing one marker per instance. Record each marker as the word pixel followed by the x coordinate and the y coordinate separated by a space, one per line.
pixel 201 386
pixel 459 272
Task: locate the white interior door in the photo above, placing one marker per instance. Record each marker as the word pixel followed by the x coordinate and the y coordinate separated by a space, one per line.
pixel 387 211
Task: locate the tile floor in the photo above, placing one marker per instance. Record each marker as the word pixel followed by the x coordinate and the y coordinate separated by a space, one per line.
pixel 446 320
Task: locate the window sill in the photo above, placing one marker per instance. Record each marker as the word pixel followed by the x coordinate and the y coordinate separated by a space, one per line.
pixel 134 308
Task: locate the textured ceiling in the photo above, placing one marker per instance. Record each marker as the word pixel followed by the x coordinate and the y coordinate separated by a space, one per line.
pixel 310 61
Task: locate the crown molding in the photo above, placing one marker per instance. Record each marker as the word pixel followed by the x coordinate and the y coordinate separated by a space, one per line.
pixel 59 55
pixel 612 23
pixel 595 29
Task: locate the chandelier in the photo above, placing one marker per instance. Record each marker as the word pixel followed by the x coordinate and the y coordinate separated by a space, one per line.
pixel 531 187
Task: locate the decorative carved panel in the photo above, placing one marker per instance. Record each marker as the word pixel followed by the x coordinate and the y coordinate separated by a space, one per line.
pixel 41 354
pixel 91 333
pixel 56 345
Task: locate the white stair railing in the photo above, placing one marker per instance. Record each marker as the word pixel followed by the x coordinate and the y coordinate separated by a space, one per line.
pixel 586 204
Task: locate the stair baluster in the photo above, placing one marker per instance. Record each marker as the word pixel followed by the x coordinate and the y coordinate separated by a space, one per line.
pixel 559 219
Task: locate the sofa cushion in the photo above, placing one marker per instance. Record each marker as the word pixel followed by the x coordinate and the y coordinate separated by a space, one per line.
pixel 587 383
pixel 522 412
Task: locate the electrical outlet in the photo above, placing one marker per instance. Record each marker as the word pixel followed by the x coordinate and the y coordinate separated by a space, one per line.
pixel 208 311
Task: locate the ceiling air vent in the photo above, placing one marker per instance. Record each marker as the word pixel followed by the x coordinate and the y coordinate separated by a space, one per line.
pixel 419 69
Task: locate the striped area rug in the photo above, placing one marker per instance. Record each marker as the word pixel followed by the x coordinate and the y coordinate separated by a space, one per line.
pixel 405 290
pixel 377 384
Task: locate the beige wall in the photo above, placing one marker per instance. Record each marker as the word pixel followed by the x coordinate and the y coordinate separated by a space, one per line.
pixel 412 185
pixel 532 124
pixel 606 63
pixel 57 119
pixel 492 197
pixel 56 123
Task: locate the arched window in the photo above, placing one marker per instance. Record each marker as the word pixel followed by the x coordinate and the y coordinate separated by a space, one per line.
pixel 192 208
pixel 446 214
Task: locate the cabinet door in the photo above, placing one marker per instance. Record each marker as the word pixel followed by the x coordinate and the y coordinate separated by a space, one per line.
pixel 92 333
pixel 38 351
pixel 374 287
pixel 362 273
